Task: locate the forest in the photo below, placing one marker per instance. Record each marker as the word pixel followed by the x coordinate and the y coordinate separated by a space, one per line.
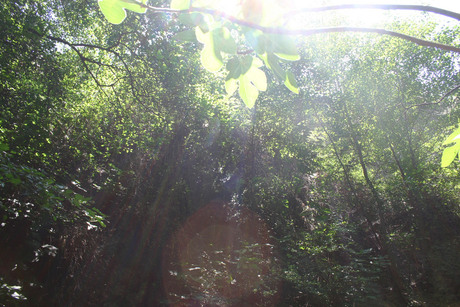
pixel 179 157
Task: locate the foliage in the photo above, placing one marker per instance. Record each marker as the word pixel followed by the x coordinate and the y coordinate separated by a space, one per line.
pixel 131 177
pixel 115 11
pixel 219 40
pixel 218 36
pixel 449 154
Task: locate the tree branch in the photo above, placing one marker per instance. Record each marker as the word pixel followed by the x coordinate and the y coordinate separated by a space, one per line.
pixel 418 41
pixel 436 102
pixel 72 46
pixel 308 32
pixel 423 8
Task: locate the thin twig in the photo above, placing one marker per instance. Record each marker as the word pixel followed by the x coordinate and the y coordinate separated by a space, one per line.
pixel 418 41
pixel 438 101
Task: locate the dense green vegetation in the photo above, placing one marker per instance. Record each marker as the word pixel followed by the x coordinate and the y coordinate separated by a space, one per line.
pixel 130 177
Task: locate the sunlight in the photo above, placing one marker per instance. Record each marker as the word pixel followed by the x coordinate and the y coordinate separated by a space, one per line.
pixel 231 7
pixel 263 12
pixel 223 254
pixel 274 10
pixel 286 12
pixel 361 17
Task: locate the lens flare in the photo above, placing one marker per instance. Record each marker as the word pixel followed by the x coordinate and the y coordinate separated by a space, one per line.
pixel 221 256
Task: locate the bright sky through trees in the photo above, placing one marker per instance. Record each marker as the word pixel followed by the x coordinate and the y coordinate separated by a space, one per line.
pixel 130 175
pixel 372 17
pixel 351 17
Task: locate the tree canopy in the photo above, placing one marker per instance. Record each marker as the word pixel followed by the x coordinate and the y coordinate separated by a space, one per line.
pixel 185 156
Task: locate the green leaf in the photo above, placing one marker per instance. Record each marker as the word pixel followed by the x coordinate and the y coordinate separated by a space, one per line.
pixel 253 79
pixel 211 58
pixel 133 5
pixel 246 63
pixel 291 83
pixel 234 68
pixel 273 63
pixel 204 27
pixel 256 40
pixel 288 78
pixel 258 78
pixel 201 36
pixel 256 62
pixel 180 4
pixel 114 10
pixel 224 41
pixel 452 137
pixel 231 86
pixel 192 19
pixel 248 92
pixel 449 153
pixel 284 47
pixel 187 36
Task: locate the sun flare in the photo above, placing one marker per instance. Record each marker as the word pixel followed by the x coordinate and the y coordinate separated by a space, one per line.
pixel 288 12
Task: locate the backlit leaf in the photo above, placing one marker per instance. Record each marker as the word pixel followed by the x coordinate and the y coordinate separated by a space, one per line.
pixel 188 36
pixel 246 63
pixel 284 47
pixel 234 68
pixel 133 5
pixel 192 19
pixel 114 10
pixel 452 137
pixel 248 92
pixel 449 153
pixel 211 59
pixel 291 83
pixel 224 40
pixel 273 63
pixel 258 78
pixel 256 40
pixel 180 4
pixel 201 36
pixel 231 86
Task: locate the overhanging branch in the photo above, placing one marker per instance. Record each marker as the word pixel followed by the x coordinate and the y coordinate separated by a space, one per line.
pixel 423 8
pixel 413 39
pixel 457 87
pixel 308 32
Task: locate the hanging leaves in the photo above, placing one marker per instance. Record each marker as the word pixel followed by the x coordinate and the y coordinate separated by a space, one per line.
pixel 214 34
pixel 248 92
pixel 245 72
pixel 283 47
pixel 211 58
pixel 272 62
pixel 291 83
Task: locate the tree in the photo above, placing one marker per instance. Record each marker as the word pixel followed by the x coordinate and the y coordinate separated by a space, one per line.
pixel 270 44
pixel 332 195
